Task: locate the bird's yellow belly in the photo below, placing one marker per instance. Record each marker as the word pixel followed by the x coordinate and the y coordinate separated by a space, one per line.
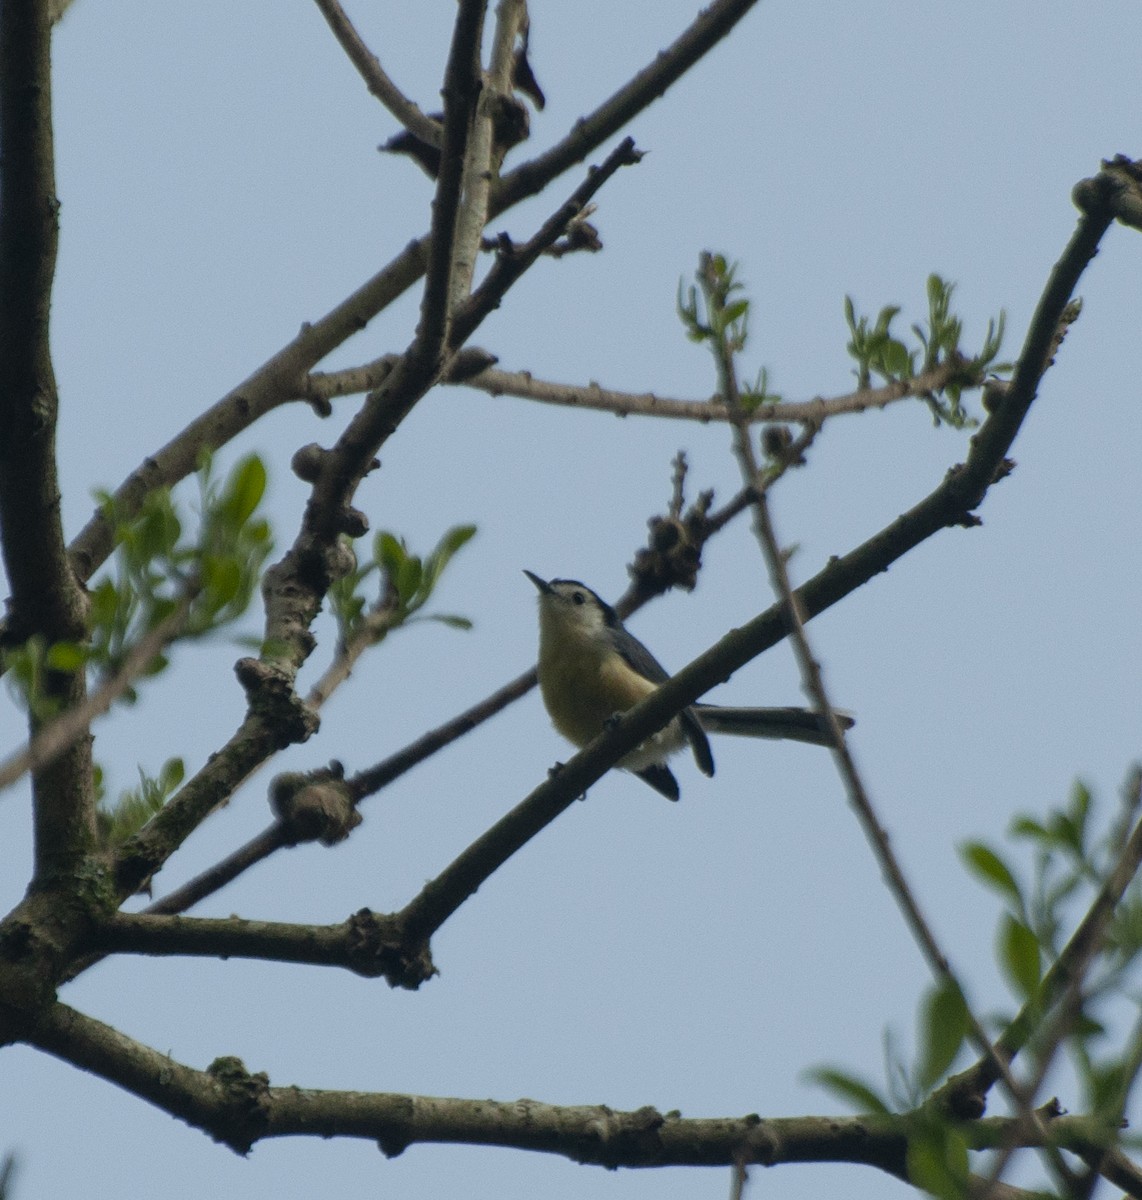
pixel 582 691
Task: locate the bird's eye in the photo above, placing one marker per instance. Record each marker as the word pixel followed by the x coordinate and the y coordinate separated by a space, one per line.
pixel 578 598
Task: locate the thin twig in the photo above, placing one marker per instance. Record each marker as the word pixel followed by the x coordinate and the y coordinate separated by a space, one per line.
pixel 371 629
pixel 376 80
pixel 708 28
pixel 513 261
pixel 218 876
pixel 525 386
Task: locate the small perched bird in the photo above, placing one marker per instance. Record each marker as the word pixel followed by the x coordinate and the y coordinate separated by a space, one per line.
pixel 591 669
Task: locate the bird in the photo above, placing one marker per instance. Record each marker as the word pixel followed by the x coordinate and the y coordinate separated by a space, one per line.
pixel 591 669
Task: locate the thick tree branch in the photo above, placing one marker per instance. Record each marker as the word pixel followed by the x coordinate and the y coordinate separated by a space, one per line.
pixel 462 85
pixel 367 943
pixel 46 600
pixel 45 597
pixel 239 1108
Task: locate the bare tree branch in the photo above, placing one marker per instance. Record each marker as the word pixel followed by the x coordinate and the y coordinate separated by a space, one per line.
pixel 648 404
pixel 483 159
pixel 707 29
pixel 378 83
pixel 462 83
pixel 46 600
pixel 239 1108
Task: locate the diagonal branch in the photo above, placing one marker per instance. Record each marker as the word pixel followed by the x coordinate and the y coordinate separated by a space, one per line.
pixel 379 84
pixel 707 29
pixel 951 503
pixel 274 383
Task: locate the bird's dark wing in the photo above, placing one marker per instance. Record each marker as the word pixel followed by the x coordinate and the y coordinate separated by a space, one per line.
pixel 638 657
pixel 662 779
pixel 699 743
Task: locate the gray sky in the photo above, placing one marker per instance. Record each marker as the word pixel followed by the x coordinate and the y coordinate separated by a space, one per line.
pixel 220 185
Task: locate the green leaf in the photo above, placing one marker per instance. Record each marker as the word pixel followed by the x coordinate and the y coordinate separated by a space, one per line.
pixel 452 620
pixel 135 808
pixel 897 361
pixel 457 536
pixel 862 1096
pixel 65 656
pixel 1019 956
pixel 221 579
pixel 944 1026
pixel 1028 827
pixel 938 1161
pixel 389 552
pixel 408 578
pixel 989 868
pixel 245 488
pixel 171 774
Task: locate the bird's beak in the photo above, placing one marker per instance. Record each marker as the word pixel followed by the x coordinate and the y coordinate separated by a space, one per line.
pixel 542 584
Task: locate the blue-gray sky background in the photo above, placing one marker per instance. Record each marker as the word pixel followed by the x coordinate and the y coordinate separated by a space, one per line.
pixel 220 185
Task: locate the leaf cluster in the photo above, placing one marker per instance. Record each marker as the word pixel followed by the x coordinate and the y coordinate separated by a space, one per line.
pixel 406 584
pixel 714 312
pixel 879 352
pixel 1070 859
pixel 136 806
pixel 162 560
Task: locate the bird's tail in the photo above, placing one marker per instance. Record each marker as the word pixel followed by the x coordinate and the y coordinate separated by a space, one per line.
pixel 796 724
